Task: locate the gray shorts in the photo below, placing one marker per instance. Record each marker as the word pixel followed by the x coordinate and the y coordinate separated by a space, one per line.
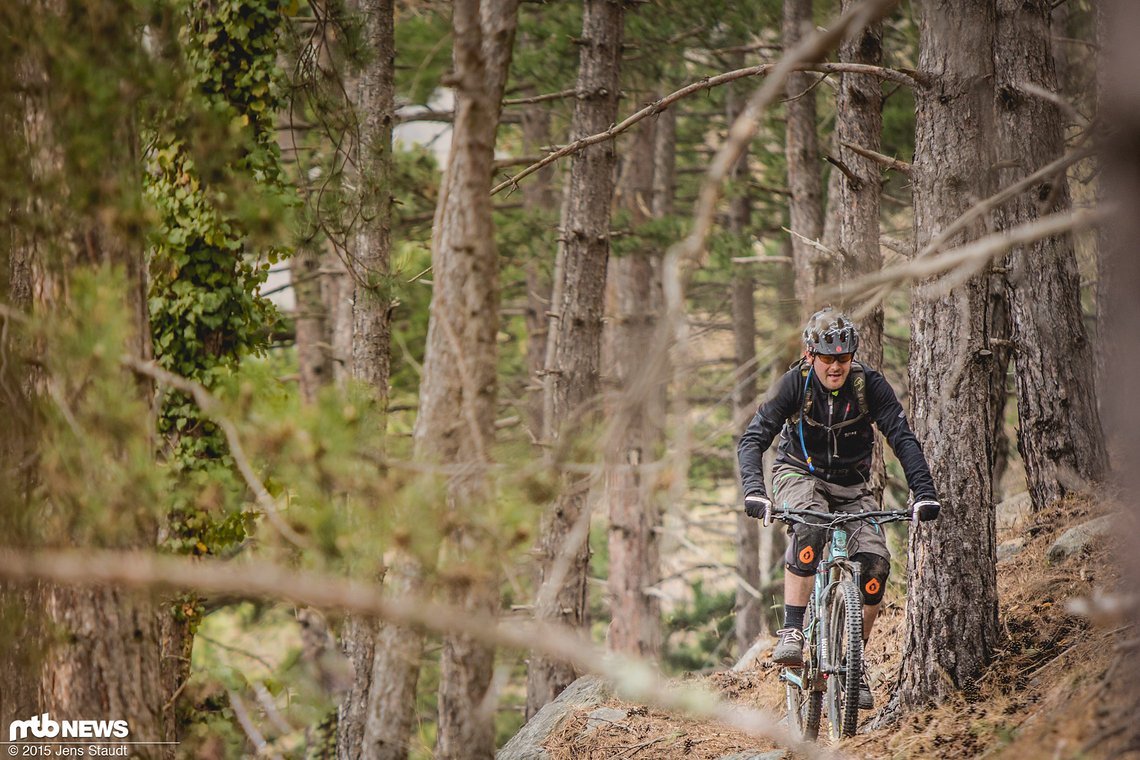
pixel 796 489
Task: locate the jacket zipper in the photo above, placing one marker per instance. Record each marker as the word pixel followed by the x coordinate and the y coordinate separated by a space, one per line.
pixel 833 451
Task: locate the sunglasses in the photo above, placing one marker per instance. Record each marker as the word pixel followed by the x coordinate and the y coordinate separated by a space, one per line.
pixel 841 358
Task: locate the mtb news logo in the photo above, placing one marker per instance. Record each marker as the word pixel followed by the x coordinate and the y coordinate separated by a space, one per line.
pixel 43 727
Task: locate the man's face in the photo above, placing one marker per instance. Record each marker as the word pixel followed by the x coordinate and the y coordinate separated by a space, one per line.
pixel 832 371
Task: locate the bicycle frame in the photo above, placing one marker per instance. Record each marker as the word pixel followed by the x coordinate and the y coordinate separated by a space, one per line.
pixel 837 577
pixel 829 572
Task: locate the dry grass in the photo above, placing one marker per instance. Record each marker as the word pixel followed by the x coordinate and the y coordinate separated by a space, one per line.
pixel 1050 693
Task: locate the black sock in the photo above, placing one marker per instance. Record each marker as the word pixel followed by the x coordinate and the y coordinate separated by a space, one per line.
pixel 794 616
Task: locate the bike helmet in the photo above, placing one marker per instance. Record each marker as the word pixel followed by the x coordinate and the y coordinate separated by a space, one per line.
pixel 830 332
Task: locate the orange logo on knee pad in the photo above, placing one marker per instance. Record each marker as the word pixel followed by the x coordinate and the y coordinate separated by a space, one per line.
pixel 807 554
pixel 872 586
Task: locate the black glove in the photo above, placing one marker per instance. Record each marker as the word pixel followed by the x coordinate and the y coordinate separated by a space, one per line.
pixel 756 504
pixel 927 509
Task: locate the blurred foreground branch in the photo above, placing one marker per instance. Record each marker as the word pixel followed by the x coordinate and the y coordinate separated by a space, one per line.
pixel 962 263
pixel 211 407
pixel 634 679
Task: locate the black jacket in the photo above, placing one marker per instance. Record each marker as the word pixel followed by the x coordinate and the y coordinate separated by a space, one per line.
pixel 839 456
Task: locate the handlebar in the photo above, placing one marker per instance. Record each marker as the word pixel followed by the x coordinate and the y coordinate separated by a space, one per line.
pixel 832 519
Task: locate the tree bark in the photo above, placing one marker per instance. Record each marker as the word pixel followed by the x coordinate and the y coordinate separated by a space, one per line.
pixel 313 338
pixel 1060 437
pixel 1120 159
pixel 664 163
pixel 574 347
pixel 636 420
pixel 859 121
pixel 951 614
pixel 538 203
pixel 750 621
pixel 99 653
pixel 457 397
pixel 375 718
pixel 802 153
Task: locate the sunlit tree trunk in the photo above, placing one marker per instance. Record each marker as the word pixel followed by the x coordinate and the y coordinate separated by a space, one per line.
pixel 1060 436
pixel 750 621
pixel 574 341
pixel 951 624
pixel 457 397
pixel 635 415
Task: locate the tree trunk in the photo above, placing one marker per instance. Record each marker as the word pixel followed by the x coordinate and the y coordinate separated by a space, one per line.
pixel 664 163
pixel 951 615
pixel 636 421
pixel 457 397
pixel 313 339
pixel 859 121
pixel 99 653
pixel 376 715
pixel 538 203
pixel 802 153
pixel 574 341
pixel 1060 436
pixel 750 621
pixel 1120 159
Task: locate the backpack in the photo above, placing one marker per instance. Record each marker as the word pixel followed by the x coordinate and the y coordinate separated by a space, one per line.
pixel 858 381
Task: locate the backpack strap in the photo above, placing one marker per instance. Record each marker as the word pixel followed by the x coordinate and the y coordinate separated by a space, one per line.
pixel 859 382
pixel 805 368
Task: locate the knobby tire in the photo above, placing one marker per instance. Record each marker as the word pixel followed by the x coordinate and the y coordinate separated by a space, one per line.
pixel 845 650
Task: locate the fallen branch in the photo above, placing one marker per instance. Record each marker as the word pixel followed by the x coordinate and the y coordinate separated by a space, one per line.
pixel 788 63
pixel 634 680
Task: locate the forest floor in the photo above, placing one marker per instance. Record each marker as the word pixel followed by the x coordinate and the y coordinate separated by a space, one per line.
pixel 1050 693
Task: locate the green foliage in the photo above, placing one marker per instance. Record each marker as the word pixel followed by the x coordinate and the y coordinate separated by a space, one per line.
pixel 423 53
pixel 97 482
pixel 205 308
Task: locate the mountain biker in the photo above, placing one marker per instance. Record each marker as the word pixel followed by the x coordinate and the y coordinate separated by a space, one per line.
pixel 825 404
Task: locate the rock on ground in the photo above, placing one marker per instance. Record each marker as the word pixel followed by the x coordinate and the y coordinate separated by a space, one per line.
pixel 527 743
pixel 1080 537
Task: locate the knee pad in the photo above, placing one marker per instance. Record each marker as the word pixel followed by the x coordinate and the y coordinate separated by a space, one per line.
pixel 804 549
pixel 875 570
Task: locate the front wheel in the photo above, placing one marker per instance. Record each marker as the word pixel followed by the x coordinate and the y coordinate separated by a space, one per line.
pixel 845 658
pixel 804 708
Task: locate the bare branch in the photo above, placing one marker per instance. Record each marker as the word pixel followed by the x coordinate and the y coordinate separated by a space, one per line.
pixel 1070 110
pixel 247 724
pixel 539 98
pixel 963 262
pixel 634 679
pixel 1001 196
pixel 815 244
pixel 890 163
pixel 660 105
pixel 852 177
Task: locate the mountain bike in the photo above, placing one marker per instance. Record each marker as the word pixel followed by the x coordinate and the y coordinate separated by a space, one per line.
pixel 833 628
